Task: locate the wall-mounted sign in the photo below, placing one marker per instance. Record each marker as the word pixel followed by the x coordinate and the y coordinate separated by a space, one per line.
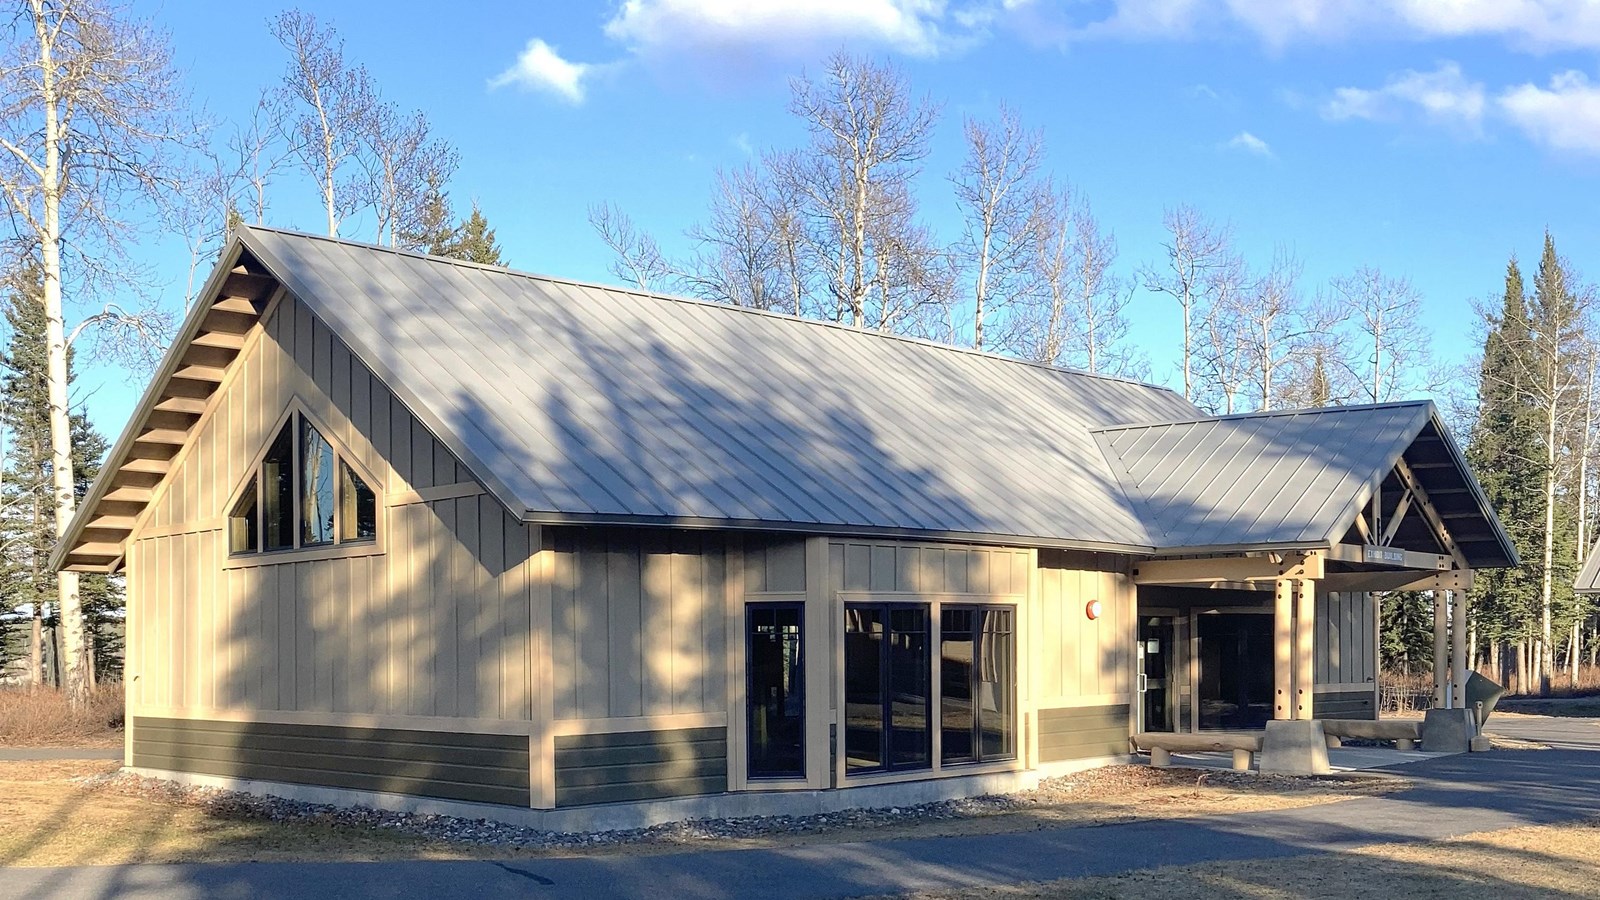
pixel 1391 555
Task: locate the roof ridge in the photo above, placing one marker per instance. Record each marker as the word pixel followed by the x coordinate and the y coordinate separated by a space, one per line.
pixel 1268 414
pixel 675 298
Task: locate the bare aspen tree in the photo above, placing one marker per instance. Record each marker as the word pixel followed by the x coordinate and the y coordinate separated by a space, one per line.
pixel 332 101
pixel 639 260
pixel 1073 311
pixel 401 163
pixel 739 258
pixel 780 202
pixel 1195 249
pixel 1280 328
pixel 1556 318
pixel 1386 313
pixel 257 155
pixel 992 189
pixel 1224 347
pixel 89 109
pixel 867 136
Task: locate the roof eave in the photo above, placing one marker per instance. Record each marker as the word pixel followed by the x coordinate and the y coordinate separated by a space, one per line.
pixel 147 401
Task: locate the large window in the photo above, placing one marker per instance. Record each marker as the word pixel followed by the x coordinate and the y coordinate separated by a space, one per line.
pixel 302 495
pixel 776 690
pixel 977 684
pixel 886 671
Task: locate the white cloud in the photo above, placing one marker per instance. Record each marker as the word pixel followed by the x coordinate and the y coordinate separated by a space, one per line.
pixel 1249 143
pixel 1564 116
pixel 1538 25
pixel 541 68
pixel 1444 96
pixel 784 27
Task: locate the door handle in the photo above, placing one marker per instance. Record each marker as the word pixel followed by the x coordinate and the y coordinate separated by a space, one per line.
pixel 1144 682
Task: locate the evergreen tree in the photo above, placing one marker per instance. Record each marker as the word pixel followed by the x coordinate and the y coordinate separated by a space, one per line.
pixel 433 233
pixel 1506 452
pixel 1406 632
pixel 474 241
pixel 27 507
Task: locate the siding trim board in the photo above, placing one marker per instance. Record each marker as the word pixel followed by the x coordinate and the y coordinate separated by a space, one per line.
pixel 482 768
pixel 640 765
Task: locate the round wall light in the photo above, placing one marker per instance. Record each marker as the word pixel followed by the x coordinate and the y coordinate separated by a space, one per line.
pixel 1092 610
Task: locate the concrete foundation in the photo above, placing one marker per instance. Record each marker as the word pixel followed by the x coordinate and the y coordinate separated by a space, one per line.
pixel 643 814
pixel 1295 747
pixel 1447 731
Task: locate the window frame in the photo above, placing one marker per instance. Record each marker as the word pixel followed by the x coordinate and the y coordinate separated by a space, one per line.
pixel 887 765
pixel 799 607
pixel 296 417
pixel 1011 685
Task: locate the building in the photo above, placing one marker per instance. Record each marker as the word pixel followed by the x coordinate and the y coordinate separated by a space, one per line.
pixel 415 532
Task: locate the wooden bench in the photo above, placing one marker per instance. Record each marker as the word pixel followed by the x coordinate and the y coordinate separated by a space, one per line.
pixel 1404 732
pixel 1244 744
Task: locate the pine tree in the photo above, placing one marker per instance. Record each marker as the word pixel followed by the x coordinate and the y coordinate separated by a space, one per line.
pixel 1506 453
pixel 27 507
pixel 474 241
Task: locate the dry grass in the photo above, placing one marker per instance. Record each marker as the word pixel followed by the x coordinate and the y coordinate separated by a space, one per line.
pixel 43 718
pixel 1518 863
pixel 56 815
pixel 54 819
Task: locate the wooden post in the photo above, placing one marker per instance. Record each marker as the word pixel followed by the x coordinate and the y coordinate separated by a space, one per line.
pixel 1441 674
pixel 1305 673
pixel 1458 649
pixel 1283 650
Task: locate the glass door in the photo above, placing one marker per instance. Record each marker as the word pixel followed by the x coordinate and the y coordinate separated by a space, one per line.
pixel 775 693
pixel 1157 671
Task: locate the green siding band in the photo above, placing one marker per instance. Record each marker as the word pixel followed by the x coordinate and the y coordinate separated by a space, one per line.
pixel 1083 732
pixel 472 767
pixel 640 765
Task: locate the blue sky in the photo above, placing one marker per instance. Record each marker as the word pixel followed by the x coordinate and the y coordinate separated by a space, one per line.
pixel 1430 139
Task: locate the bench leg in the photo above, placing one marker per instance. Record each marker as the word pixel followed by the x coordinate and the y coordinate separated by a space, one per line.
pixel 1160 758
pixel 1242 760
pixel 1333 741
pixel 1405 744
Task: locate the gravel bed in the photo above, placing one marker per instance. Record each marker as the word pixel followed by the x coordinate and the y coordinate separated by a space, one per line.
pixel 1112 781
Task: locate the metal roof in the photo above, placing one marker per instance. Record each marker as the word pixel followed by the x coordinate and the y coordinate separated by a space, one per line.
pixel 1292 477
pixel 583 403
pixel 575 403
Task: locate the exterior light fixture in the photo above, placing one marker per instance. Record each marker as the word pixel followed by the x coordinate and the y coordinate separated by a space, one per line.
pixel 1092 610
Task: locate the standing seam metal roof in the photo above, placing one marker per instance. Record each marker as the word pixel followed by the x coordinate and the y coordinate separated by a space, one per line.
pixel 586 402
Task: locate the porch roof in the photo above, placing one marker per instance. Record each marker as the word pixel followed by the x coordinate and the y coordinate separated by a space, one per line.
pixel 1295 478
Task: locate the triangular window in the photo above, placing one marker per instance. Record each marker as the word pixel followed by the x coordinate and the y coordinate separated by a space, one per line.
pixel 303 494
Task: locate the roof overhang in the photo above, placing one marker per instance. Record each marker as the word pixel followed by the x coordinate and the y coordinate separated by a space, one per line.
pixel 182 390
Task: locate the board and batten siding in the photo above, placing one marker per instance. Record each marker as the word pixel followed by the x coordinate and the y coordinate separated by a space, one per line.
pixel 904 567
pixel 433 620
pixel 1345 635
pixel 639 622
pixel 1083 661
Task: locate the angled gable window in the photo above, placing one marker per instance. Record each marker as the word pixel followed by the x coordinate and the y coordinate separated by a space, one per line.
pixel 303 494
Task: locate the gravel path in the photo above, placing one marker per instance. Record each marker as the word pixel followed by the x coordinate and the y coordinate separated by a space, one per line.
pixel 1451 796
